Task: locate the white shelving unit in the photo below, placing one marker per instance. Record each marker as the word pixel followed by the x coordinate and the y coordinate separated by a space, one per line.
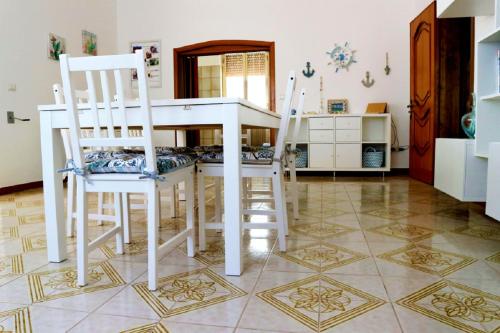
pixel 465 8
pixel 488 88
pixel 337 142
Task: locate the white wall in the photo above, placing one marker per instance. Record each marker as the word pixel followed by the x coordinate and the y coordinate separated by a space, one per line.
pixel 24 29
pixel 303 31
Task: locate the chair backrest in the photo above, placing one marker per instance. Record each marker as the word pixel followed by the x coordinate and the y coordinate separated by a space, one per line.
pixel 298 119
pixel 114 114
pixel 285 115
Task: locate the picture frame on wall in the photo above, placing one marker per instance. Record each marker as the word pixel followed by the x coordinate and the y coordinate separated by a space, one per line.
pixel 89 43
pixel 56 46
pixel 152 59
pixel 337 106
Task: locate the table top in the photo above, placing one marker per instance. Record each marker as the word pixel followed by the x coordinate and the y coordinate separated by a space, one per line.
pixel 167 103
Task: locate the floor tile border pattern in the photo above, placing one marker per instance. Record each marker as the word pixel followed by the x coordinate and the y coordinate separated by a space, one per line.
pixel 22 320
pixel 409 302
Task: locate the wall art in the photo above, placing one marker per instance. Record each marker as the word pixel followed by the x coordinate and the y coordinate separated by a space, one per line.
pixel 308 72
pixel 89 43
pixel 387 69
pixel 56 46
pixel 337 106
pixel 152 58
pixel 341 57
pixel 368 81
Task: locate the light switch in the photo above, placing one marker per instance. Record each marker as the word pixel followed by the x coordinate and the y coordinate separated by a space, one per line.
pixel 12 87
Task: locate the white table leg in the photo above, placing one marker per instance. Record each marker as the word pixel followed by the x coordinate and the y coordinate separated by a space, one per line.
pixel 53 195
pixel 232 189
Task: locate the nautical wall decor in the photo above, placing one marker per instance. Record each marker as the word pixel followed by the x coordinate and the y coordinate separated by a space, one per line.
pixel 387 69
pixel 368 81
pixel 308 72
pixel 342 57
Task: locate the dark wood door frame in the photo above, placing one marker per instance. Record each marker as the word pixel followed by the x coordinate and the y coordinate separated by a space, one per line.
pixel 215 47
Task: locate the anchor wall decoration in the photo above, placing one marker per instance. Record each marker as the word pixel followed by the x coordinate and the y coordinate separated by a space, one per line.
pixel 308 73
pixel 368 82
pixel 387 69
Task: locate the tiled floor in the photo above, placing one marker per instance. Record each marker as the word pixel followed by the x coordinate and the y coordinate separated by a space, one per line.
pixel 365 256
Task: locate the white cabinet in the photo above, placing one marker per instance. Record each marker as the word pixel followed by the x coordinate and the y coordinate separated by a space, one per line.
pixel 322 123
pixel 348 122
pixel 458 172
pixel 348 156
pixel 321 155
pixel 493 191
pixel 335 142
pixel 322 136
pixel 348 135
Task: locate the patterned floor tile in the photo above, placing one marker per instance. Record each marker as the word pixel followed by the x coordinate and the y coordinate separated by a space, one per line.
pixel 184 292
pixel 407 232
pixel 149 328
pixel 31 219
pixel 61 283
pixel 15 321
pixel 494 258
pixel 306 299
pixel 214 254
pixel 467 309
pixel 9 233
pixel 480 231
pixel 427 259
pixel 321 257
pixel 322 230
pixel 7 212
pixel 391 213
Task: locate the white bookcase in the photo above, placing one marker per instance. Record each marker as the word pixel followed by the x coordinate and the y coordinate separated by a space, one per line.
pixel 337 142
pixel 487 88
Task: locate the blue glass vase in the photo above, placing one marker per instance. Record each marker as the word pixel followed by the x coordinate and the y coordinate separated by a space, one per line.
pixel 468 121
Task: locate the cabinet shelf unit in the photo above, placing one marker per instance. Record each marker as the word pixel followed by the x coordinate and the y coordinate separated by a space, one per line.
pixel 337 142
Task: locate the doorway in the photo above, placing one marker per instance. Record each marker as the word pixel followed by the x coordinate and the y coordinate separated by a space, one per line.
pixel 441 85
pixel 243 68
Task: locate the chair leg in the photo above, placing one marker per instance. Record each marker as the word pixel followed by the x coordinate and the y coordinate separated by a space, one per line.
pixel 153 225
pixel 283 203
pixel 127 229
pixel 190 214
pixel 201 210
pixel 100 208
pixel 119 221
pixel 82 233
pixel 218 200
pixel 70 200
pixel 294 188
pixel 244 185
pixel 173 206
pixel 278 206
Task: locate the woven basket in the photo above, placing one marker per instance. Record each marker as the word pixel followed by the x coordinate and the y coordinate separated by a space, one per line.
pixel 301 159
pixel 373 158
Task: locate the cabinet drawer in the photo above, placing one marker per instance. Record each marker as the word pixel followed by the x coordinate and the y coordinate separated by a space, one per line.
pixel 348 123
pixel 325 136
pixel 348 156
pixel 321 155
pixel 348 135
pixel 321 123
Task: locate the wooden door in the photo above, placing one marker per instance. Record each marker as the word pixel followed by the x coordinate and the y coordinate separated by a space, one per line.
pixel 423 89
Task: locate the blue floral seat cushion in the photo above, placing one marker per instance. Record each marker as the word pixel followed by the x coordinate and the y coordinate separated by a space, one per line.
pixel 134 162
pixel 249 154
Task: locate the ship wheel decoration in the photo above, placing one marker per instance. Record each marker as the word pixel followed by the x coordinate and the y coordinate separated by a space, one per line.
pixel 341 57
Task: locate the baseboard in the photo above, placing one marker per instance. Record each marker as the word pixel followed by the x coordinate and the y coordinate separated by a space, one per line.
pixel 393 172
pixel 20 187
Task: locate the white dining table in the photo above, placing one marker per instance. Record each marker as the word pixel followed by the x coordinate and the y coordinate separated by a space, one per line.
pixel 230 114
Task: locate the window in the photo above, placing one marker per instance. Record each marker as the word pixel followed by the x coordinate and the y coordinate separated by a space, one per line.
pixel 246 75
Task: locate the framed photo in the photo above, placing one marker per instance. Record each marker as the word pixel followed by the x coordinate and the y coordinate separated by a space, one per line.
pixel 152 59
pixel 89 43
pixel 337 106
pixel 55 47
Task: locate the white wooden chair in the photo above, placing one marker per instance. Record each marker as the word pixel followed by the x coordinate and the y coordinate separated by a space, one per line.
pixel 154 172
pixel 82 96
pixel 291 154
pixel 273 170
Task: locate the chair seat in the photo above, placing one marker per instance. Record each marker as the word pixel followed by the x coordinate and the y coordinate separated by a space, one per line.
pixel 249 154
pixel 134 162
